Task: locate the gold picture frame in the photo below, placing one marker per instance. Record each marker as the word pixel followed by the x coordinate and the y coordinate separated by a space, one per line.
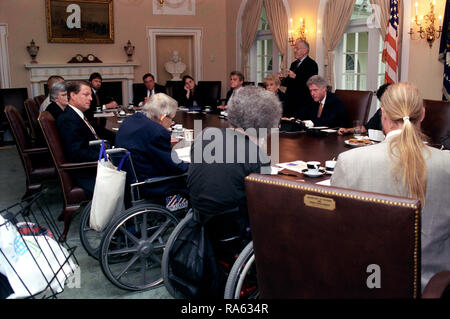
pixel 82 21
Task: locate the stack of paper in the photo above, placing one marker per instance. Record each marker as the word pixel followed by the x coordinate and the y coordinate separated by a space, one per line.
pixel 296 166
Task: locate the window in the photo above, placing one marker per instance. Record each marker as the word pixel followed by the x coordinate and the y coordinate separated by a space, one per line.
pixel 264 57
pixel 358 57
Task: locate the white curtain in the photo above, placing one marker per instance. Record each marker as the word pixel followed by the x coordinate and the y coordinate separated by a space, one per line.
pixel 250 20
pixel 337 16
pixel 278 21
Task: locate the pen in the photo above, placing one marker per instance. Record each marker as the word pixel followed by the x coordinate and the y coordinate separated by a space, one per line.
pixel 287 174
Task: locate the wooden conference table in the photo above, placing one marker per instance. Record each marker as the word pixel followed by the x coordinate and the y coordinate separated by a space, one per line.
pixel 292 146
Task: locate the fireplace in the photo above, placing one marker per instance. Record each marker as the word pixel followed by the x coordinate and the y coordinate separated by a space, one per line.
pixel 117 77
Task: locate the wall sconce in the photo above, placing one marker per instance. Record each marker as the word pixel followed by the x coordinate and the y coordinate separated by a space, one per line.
pixel 297 33
pixel 161 2
pixel 426 24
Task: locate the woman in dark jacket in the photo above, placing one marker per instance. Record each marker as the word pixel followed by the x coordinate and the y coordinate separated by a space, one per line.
pixel 190 95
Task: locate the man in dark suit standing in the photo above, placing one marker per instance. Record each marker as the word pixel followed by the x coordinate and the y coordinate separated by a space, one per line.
pixel 75 132
pixel 327 108
pixel 151 87
pixel 297 93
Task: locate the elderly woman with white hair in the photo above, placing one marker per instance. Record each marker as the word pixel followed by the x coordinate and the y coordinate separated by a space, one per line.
pixel 222 158
pixel 145 134
pixel 58 98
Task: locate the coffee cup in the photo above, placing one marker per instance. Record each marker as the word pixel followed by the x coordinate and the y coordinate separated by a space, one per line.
pixel 207 108
pixel 188 135
pixel 122 113
pixel 99 109
pixel 313 167
pixel 329 166
pixel 178 127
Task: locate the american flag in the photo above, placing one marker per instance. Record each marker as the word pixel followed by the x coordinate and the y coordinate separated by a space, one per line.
pixel 390 52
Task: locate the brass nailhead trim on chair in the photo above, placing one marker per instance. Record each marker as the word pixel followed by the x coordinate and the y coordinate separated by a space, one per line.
pixel 367 199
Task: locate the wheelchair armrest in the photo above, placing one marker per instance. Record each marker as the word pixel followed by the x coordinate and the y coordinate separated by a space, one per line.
pixel 116 150
pixel 36 150
pixel 75 166
pixel 98 142
pixel 155 180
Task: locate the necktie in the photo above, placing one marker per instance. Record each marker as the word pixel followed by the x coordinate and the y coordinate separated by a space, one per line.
pixel 97 99
pixel 319 113
pixel 149 93
pixel 91 128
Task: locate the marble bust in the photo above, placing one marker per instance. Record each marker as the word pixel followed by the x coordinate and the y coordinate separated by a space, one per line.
pixel 175 66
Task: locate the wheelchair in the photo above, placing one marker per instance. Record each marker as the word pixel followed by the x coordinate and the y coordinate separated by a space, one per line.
pixel 238 268
pixel 130 247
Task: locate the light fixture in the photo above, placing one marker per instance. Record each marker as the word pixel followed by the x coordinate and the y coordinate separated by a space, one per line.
pixel 296 33
pixel 161 2
pixel 426 24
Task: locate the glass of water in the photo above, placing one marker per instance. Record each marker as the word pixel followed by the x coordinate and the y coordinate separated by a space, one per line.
pixel 357 128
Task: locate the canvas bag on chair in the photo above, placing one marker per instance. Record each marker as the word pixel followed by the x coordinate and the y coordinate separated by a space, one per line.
pixel 108 198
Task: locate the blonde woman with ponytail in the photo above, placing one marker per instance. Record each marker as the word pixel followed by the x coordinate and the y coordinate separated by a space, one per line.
pixel 404 165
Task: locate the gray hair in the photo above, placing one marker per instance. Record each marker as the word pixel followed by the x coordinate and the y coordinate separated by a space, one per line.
pixel 159 104
pixel 317 80
pixel 305 44
pixel 254 107
pixel 57 88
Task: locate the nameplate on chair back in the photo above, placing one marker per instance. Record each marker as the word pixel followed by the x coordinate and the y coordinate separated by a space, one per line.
pixel 314 241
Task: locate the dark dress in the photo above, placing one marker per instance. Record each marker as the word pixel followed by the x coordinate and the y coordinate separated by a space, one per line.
pixel 375 122
pixel 149 144
pixel 193 98
pixel 217 185
pixel 54 110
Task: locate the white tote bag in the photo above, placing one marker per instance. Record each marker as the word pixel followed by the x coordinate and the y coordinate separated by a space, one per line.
pixel 108 198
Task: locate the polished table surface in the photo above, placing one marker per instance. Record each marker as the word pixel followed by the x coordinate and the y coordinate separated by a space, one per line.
pixel 292 146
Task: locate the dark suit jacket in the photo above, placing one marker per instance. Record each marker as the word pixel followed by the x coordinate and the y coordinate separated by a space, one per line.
pixel 298 97
pixel 282 98
pixel 333 114
pixel 149 144
pixel 141 94
pixel 75 136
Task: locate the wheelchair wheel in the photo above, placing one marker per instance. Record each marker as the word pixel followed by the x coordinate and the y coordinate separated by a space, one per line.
pixel 133 244
pixel 90 238
pixel 242 281
pixel 165 259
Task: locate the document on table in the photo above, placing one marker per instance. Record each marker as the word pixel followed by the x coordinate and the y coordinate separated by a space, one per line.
pixel 296 166
pixel 184 153
pixel 104 114
pixel 325 182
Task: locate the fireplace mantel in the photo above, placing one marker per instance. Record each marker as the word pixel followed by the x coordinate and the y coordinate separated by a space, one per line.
pixel 124 72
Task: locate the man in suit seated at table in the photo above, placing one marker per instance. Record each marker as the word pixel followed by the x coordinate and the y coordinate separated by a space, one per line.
pixel 327 108
pixel 236 82
pixel 75 132
pixel 151 87
pixel 50 81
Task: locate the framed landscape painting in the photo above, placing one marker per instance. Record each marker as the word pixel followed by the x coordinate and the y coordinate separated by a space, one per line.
pixel 84 21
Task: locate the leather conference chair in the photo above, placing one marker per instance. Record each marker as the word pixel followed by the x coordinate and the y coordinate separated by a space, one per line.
pixel 437 119
pixel 15 97
pixel 209 92
pixel 357 104
pixel 36 161
pixel 73 195
pixel 313 241
pixel 32 110
pixel 39 99
pixel 175 89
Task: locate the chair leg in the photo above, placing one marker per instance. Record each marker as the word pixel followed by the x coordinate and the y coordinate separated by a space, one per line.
pixel 31 190
pixel 66 216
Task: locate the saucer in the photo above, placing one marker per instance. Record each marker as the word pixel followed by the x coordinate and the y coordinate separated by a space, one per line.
pixel 318 174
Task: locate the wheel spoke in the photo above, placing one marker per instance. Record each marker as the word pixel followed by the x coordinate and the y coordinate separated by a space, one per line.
pixel 160 230
pixel 128 234
pixel 128 265
pixel 144 226
pixel 123 251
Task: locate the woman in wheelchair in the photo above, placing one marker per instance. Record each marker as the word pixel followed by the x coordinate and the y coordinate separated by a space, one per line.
pixel 145 134
pixel 220 161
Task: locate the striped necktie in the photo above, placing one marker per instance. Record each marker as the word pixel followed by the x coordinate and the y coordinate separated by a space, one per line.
pixel 90 127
